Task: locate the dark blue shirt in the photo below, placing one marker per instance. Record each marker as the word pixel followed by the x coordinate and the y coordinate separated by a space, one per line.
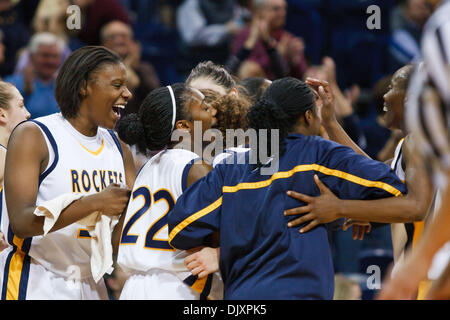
pixel 260 257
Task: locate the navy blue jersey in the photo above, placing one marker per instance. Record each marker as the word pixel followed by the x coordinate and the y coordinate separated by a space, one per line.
pixel 260 257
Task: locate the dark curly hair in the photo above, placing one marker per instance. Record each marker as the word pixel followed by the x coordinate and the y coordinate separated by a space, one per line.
pixel 231 112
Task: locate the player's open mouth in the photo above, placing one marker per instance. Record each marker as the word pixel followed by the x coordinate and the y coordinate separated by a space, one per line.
pixel 116 108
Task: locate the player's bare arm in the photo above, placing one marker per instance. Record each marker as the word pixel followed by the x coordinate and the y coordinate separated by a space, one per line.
pixel 130 176
pixel 411 207
pixel 26 159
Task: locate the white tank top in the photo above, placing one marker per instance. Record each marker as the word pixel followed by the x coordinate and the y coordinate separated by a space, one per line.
pixel 77 164
pixel 398 230
pixel 144 240
pixel 396 163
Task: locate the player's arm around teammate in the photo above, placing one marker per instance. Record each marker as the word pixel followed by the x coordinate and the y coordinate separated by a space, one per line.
pixel 327 207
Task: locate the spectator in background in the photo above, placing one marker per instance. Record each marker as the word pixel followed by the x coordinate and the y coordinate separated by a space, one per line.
pixel 346 288
pixel 273 16
pixel 26 9
pixel 207 28
pixel 15 32
pixel 239 64
pixel 49 17
pixel 343 101
pixel 95 14
pixel 36 82
pixel 2 49
pixel 407 22
pixel 142 78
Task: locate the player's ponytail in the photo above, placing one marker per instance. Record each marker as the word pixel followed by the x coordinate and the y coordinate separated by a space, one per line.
pixel 279 108
pixel 151 129
pixel 131 130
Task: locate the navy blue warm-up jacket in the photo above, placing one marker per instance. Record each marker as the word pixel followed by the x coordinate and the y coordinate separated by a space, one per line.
pixel 260 257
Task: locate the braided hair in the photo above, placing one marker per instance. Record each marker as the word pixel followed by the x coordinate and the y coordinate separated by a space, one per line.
pixel 151 128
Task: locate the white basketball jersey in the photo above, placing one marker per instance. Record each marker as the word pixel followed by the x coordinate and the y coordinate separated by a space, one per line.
pixel 398 231
pixel 396 163
pixel 144 240
pixel 77 164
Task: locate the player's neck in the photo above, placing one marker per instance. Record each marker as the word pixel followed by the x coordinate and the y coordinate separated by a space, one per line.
pixel 4 136
pixel 83 126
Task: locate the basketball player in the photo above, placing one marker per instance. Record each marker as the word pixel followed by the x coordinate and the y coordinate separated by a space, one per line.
pixel 209 76
pixel 74 151
pixel 412 207
pixel 156 269
pixel 406 214
pixel 12 112
pixel 206 76
pixel 260 257
pixel 427 115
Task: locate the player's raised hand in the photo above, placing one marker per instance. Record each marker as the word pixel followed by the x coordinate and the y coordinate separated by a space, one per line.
pixel 113 199
pixel 202 261
pixel 318 210
pixel 323 90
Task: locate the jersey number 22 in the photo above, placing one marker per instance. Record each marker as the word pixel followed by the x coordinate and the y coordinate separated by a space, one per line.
pixel 150 241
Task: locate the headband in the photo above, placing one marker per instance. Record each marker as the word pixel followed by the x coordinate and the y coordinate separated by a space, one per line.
pixel 174 106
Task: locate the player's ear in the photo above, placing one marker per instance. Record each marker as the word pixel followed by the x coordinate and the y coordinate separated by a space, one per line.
pixel 309 117
pixel 183 125
pixel 3 116
pixel 83 89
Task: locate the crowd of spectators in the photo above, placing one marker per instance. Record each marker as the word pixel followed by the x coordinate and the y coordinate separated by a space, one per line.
pixel 161 41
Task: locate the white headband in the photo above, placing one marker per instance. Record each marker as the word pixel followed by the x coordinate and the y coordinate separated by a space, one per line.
pixel 174 106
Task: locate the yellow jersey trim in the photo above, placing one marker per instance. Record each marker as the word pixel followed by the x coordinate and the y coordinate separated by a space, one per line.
pixel 314 167
pixel 95 153
pixel 213 206
pixel 283 175
pixel 15 271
